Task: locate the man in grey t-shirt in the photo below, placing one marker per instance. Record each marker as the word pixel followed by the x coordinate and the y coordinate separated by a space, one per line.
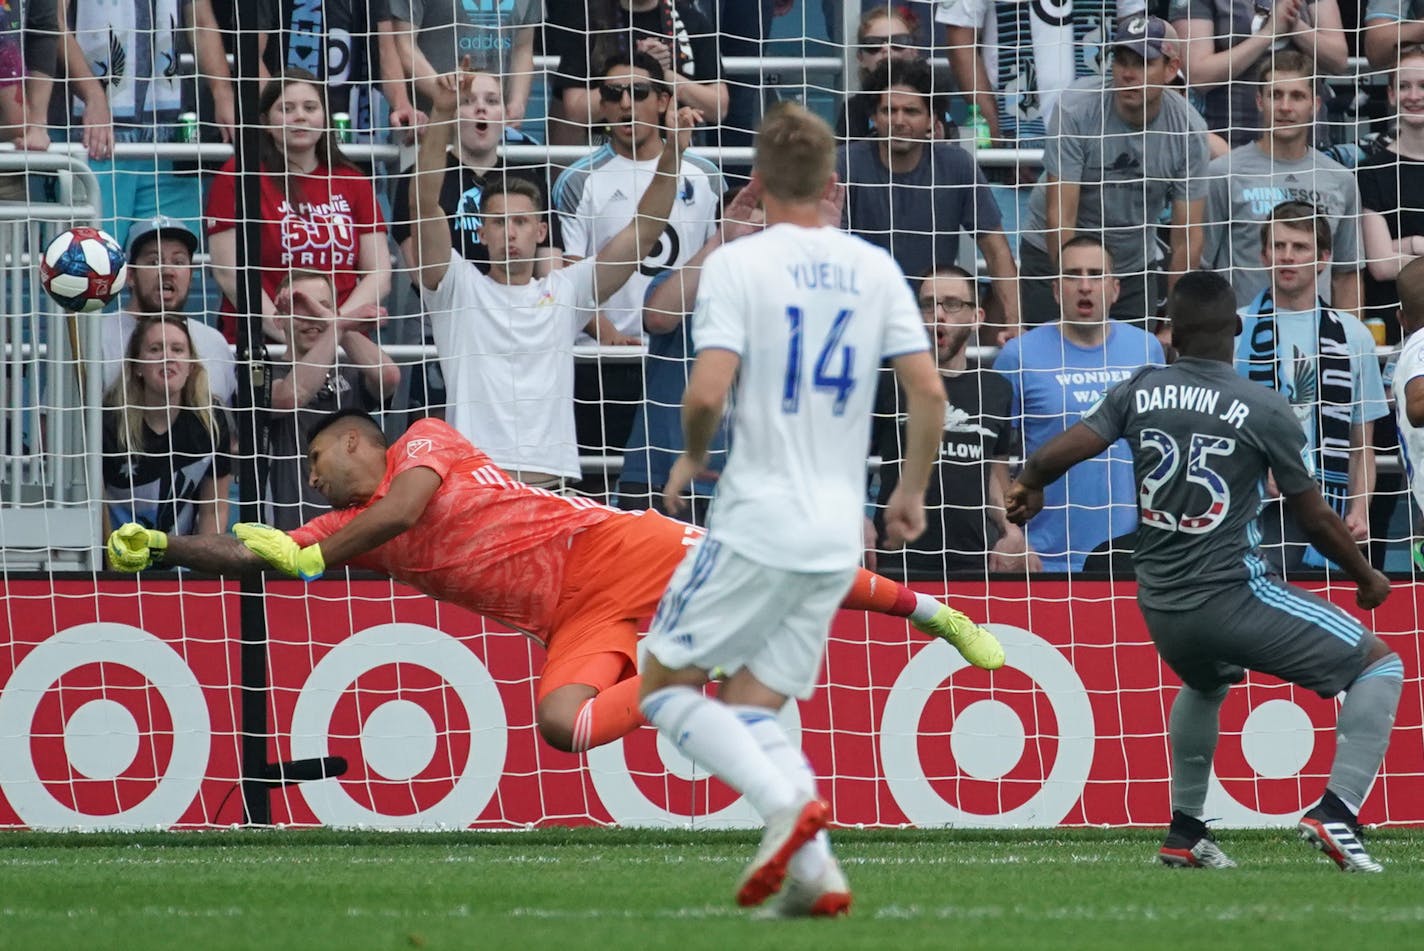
pixel 1116 158
pixel 1245 184
pixel 496 35
pixel 1203 441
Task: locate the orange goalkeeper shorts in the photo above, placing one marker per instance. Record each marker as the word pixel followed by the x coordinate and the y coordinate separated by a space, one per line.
pixel 615 576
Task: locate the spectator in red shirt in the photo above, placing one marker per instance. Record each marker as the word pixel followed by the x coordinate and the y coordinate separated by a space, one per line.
pixel 318 210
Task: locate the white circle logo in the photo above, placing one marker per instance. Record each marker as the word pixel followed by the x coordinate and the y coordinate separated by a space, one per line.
pixel 984 736
pixel 1278 739
pixel 102 738
pixel 629 805
pixel 398 738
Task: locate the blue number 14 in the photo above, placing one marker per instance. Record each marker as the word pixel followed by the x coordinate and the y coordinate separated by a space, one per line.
pixel 839 381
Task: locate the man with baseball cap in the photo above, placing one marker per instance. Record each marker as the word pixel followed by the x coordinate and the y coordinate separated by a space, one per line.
pixel 1118 154
pixel 160 254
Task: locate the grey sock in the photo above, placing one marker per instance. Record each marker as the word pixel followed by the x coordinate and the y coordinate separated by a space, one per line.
pixel 1193 727
pixel 1362 732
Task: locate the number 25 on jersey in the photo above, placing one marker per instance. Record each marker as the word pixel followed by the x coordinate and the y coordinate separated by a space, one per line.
pixel 1199 472
pixel 838 381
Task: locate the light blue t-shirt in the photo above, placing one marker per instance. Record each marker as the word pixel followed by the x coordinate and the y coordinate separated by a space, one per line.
pixel 1055 382
pixel 1298 367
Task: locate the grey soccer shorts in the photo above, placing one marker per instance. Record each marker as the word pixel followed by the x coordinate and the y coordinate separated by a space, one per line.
pixel 1263 625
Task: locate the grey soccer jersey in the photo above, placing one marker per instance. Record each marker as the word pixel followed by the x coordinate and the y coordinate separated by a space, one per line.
pixel 1202 441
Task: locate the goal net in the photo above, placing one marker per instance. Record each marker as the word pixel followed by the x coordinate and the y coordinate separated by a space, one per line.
pixel 311 271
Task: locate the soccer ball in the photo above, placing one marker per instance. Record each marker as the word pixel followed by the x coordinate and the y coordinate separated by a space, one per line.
pixel 83 269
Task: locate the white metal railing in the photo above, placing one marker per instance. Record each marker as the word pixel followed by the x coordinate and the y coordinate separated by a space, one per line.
pixel 558 154
pixel 50 464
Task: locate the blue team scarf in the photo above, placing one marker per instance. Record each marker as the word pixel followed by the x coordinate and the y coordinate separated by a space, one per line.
pixel 1330 392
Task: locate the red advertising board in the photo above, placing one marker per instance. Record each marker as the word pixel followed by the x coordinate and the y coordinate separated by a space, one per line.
pixel 119 708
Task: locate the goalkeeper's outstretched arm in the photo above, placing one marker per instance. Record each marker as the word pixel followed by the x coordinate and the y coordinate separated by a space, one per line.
pixel 212 554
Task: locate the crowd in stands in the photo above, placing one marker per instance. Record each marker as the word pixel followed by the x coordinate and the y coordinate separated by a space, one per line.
pixel 1174 134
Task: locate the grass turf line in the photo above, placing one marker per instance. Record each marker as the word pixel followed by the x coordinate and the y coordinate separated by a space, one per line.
pixel 611 888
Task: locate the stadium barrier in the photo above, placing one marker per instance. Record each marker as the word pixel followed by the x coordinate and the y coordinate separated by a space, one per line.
pixel 120 710
pixel 49 472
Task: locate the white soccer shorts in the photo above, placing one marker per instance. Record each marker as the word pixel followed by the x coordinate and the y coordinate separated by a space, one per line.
pixel 723 612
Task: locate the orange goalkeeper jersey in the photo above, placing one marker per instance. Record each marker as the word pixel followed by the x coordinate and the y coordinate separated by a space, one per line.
pixel 485 542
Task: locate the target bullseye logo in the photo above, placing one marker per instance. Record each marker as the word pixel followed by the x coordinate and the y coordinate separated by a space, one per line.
pixel 120 721
pixel 644 780
pixel 421 724
pixel 1272 735
pixel 1002 743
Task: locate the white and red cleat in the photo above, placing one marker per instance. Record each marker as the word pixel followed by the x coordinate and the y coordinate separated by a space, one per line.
pixel 785 832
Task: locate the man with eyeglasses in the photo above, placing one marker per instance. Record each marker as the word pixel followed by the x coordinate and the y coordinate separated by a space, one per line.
pixel 595 200
pixel 913 196
pixel 966 529
pixel 1059 372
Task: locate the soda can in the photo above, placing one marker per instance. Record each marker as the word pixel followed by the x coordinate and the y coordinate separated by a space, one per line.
pixel 341 122
pixel 188 128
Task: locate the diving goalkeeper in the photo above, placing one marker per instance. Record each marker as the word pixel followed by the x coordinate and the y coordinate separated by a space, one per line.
pixel 434 512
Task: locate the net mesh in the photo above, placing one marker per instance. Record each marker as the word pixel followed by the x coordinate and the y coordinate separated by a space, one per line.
pixel 122 702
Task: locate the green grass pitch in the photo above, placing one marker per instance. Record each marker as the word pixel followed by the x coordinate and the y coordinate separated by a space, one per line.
pixel 554 890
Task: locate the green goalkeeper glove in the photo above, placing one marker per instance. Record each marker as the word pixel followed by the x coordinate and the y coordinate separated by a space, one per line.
pixel 279 550
pixel 133 547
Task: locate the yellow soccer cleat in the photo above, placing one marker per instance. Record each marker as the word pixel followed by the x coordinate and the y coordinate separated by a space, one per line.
pixel 974 642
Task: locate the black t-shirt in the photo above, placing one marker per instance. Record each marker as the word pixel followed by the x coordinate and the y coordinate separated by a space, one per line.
pixel 461 195
pixel 290 498
pixel 333 39
pixel 1384 177
pixel 978 428
pixel 583 46
pixel 158 485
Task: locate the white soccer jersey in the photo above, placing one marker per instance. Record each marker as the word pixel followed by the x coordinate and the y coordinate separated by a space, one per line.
pixel 597 197
pixel 1411 438
pixel 507 355
pixel 812 312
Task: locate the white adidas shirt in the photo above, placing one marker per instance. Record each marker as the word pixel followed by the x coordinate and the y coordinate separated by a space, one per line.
pixel 1411 438
pixel 812 312
pixel 597 197
pixel 506 351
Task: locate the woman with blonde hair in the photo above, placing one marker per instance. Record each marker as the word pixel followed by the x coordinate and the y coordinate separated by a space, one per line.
pixel 166 447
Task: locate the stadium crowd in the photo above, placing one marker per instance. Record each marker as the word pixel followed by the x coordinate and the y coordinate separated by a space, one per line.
pixel 1173 134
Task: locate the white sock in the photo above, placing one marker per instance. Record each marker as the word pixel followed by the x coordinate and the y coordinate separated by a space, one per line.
pixel 709 733
pixel 810 860
pixel 926 607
